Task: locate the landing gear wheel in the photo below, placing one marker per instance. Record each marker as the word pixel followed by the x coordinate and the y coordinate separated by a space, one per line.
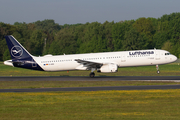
pixel 92 74
pixel 157 67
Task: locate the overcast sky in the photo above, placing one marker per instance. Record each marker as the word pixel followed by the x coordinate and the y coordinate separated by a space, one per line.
pixel 82 11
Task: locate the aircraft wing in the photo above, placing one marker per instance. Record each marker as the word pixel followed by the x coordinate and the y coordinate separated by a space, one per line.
pixel 89 64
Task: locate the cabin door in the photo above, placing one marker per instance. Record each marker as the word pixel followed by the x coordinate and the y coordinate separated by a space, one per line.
pixel 157 55
pixel 123 58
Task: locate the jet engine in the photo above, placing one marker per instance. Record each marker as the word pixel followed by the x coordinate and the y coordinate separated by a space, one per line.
pixel 108 68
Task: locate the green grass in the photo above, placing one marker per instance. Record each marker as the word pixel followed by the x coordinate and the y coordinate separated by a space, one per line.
pixel 62 84
pixel 95 105
pixel 91 105
pixel 166 70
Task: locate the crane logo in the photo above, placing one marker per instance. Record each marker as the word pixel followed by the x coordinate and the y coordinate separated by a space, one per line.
pixel 16 51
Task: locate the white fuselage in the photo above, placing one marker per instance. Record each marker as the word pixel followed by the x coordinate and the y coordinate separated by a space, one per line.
pixel 106 62
pixel 121 59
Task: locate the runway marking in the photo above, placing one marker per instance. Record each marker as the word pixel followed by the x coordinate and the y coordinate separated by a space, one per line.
pixel 157 80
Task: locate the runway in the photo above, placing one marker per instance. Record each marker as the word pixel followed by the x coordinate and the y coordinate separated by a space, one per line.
pixel 99 78
pixel 85 78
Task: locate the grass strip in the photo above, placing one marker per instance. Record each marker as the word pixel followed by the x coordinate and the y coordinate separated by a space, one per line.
pixel 62 84
pixel 93 105
pixel 166 70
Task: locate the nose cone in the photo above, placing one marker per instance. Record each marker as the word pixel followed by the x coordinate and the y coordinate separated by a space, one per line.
pixel 174 58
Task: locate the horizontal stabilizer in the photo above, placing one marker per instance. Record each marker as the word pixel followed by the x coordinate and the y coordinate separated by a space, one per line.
pixel 8 62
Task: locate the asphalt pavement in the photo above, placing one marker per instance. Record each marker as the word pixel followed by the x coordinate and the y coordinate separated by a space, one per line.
pixel 98 78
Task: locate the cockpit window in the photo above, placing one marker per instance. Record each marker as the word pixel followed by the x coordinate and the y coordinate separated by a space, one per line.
pixel 167 53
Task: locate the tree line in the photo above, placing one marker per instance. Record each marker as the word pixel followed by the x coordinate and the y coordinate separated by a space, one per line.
pixel 47 37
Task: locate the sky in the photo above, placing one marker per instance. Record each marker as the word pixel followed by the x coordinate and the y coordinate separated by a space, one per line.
pixel 83 11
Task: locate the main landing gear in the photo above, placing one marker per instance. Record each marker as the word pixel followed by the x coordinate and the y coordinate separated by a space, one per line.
pixel 92 74
pixel 157 67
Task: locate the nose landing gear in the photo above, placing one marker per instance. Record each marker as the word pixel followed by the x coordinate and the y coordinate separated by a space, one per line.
pixel 157 67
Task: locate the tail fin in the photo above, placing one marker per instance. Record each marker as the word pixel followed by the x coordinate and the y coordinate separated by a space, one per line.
pixel 20 56
pixel 17 51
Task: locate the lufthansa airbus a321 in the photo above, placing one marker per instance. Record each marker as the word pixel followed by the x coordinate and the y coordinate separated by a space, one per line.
pixel 105 62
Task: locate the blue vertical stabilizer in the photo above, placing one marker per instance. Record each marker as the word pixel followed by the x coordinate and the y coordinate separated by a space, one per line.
pixel 17 51
pixel 20 56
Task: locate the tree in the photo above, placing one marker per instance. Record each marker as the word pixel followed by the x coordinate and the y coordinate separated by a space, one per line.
pixel 36 42
pixel 130 42
pixel 159 39
pixel 64 43
pixel 167 46
pixel 144 25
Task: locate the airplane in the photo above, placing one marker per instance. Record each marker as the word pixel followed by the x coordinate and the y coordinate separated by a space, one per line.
pixel 104 62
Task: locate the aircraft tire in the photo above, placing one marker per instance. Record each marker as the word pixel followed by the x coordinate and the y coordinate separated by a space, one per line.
pixel 92 74
pixel 158 72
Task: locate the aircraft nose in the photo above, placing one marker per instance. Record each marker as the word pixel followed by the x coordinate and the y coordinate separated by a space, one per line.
pixel 174 58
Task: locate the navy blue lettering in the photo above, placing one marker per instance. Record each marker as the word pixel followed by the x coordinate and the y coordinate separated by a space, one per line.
pixel 141 53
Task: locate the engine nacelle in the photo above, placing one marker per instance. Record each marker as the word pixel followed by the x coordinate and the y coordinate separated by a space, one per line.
pixel 108 68
pixel 81 67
